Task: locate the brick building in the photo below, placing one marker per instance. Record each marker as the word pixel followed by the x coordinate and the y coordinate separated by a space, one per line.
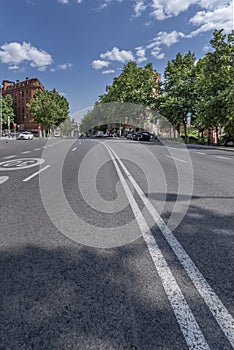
pixel 21 93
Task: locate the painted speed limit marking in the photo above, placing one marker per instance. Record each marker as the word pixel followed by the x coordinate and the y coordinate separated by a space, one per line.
pixel 23 163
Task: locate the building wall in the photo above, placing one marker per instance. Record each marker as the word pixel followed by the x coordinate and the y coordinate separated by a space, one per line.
pixel 21 93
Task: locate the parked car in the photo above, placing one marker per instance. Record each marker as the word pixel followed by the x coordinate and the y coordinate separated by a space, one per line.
pixel 227 141
pixel 143 136
pixel 25 135
pixel 135 136
pixel 99 134
pixel 129 136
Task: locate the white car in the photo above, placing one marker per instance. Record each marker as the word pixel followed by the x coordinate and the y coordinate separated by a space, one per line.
pixel 25 135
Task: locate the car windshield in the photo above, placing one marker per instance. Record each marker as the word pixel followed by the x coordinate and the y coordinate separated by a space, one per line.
pixel 116 175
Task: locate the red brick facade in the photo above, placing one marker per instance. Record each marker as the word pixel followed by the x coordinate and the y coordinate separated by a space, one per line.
pixel 21 93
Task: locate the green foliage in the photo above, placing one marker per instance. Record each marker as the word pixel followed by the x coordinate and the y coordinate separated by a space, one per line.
pixel 7 109
pixel 66 127
pixel 205 88
pixel 134 85
pixel 178 93
pixel 48 108
pixel 215 83
pixel 127 100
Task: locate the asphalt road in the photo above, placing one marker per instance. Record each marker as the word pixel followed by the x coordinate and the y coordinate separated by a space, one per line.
pixel 115 244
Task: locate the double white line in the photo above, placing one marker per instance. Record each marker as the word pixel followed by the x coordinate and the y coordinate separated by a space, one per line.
pixel 187 322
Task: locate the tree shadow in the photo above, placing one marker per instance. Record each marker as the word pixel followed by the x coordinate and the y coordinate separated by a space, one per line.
pixel 75 297
pixel 83 298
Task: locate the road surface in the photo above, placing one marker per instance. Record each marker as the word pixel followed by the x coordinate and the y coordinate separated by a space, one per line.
pixel 115 244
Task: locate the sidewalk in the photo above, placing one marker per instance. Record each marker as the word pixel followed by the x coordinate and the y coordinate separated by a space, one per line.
pixel 194 145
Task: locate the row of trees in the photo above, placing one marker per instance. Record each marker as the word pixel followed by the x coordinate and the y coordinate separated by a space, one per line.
pixel 203 87
pixel 48 108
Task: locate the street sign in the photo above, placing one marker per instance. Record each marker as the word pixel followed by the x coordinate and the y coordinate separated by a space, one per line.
pixel 188 121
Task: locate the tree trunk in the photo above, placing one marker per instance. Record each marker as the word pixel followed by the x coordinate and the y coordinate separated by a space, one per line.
pixel 217 134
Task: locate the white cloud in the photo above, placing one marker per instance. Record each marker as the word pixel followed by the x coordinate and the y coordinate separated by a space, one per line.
pixel 140 52
pixel 220 18
pixel 118 55
pixel 213 4
pixel 206 48
pixel 138 7
pixel 109 71
pixel 15 53
pixel 156 53
pixel 63 2
pixel 64 66
pixel 98 64
pixel 13 67
pixel 164 38
pixel 162 9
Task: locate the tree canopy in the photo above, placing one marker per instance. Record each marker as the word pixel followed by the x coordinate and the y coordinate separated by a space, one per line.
pixel 48 108
pixel 134 85
pixel 203 87
pixel 7 109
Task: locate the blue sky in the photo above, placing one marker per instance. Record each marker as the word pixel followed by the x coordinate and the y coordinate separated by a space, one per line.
pixel 79 46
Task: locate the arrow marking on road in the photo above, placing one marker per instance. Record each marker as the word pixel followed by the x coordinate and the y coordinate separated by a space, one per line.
pixel 3 179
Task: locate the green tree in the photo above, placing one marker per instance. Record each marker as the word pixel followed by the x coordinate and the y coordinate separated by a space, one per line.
pixel 134 85
pixel 7 109
pixel 128 99
pixel 178 94
pixel 48 108
pixel 66 127
pixel 215 84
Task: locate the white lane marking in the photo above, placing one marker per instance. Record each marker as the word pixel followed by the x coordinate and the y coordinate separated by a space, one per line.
pixel 9 157
pixel 25 152
pixel 3 179
pixel 37 173
pixel 220 157
pixel 201 153
pixel 179 149
pixel 180 160
pixel 219 311
pixel 74 149
pixel 187 322
pixel 36 149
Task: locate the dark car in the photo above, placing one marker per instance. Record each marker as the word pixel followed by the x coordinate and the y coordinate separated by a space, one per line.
pixel 134 136
pixel 143 136
pixel 227 141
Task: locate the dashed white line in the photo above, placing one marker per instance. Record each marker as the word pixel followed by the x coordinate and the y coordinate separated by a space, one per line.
pixel 201 153
pixel 25 152
pixel 37 149
pixel 180 160
pixel 37 173
pixel 74 149
pixel 9 157
pixel 220 157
